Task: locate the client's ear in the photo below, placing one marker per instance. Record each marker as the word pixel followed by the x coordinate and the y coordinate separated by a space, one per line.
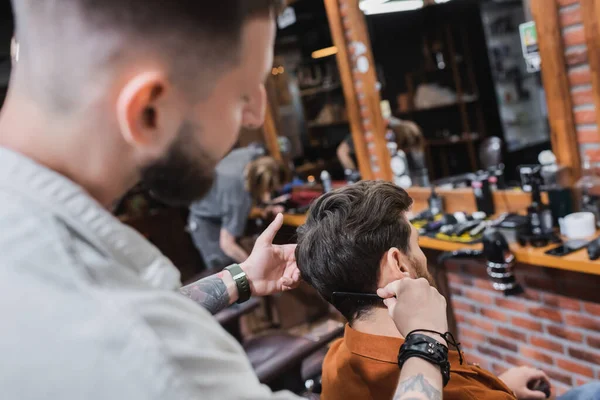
pixel 394 266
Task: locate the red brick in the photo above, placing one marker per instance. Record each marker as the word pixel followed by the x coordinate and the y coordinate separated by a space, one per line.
pixel 460 280
pixel 509 333
pixel 532 354
pixel 541 283
pixel 543 343
pixel 531 294
pixel 592 308
pixel 483 284
pixel 482 298
pixel 589 356
pixel 574 367
pixel 563 3
pixel 559 376
pixel 593 155
pixel 475 270
pixel 580 77
pixel 452 268
pixel 581 382
pixel 479 323
pixel 460 318
pixel 580 321
pixel 467 344
pixel 488 351
pixel 495 315
pixel 565 333
pixel 527 324
pixel 471 334
pixel 473 359
pixel 574 36
pixel 588 136
pixel 516 361
pixel 585 96
pixel 514 305
pixel 594 341
pixel 546 313
pixel 562 302
pixel 570 17
pixel 498 369
pixel 583 117
pixel 575 58
pixel 461 305
pixel 454 291
pixel 511 346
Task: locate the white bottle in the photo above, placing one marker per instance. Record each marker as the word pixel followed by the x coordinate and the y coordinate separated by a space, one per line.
pixel 326 180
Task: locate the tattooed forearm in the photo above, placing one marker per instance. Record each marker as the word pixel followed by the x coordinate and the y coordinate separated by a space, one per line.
pixel 211 293
pixel 417 388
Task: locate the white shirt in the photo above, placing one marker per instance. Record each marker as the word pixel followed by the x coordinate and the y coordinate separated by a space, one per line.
pixel 90 310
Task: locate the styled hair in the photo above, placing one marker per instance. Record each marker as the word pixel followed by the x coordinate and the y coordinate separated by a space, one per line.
pixel 346 234
pixel 407 135
pixel 263 176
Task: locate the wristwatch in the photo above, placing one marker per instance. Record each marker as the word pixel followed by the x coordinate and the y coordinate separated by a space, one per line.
pixel 428 349
pixel 241 281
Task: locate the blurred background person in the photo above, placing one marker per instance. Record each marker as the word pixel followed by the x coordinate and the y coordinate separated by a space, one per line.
pixel 246 178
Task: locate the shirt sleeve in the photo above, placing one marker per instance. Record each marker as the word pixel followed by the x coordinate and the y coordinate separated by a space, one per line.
pixel 235 215
pixel 192 354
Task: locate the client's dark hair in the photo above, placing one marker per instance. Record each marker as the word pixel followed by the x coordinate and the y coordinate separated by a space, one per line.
pixel 346 234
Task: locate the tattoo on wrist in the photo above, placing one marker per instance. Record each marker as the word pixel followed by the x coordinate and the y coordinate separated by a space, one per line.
pixel 417 388
pixel 211 293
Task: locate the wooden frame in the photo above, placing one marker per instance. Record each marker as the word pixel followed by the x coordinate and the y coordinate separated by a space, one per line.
pixel 350 36
pixel 590 11
pixel 359 80
pixel 556 83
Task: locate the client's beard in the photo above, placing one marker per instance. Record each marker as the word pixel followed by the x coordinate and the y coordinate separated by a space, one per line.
pixel 185 174
pixel 422 271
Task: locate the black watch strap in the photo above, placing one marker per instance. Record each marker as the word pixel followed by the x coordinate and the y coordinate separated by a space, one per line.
pixel 241 281
pixel 428 349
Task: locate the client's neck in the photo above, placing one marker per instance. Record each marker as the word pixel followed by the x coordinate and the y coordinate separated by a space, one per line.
pixel 377 322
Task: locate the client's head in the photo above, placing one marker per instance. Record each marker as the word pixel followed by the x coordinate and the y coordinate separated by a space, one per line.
pixel 358 239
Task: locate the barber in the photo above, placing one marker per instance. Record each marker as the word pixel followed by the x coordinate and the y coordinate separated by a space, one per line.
pixel 243 179
pixel 106 94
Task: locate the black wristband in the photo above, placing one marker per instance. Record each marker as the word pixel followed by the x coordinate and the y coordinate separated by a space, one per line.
pixel 428 349
pixel 241 281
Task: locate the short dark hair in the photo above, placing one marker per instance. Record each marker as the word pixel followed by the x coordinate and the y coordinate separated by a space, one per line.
pixel 345 236
pixel 194 35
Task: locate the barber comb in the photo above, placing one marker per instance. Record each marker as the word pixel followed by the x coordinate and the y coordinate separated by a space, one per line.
pixel 358 298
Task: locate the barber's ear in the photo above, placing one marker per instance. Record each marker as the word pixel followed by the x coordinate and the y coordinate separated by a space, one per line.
pixel 397 261
pixel 147 117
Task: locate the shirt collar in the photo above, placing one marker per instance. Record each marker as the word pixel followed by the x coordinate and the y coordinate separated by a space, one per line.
pixel 384 348
pixel 76 208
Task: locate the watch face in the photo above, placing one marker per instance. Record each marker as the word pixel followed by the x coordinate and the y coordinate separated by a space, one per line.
pixel 398 166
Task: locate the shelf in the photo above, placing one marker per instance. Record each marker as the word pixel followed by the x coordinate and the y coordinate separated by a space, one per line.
pixel 318 90
pixel 452 140
pixel 433 109
pixel 327 125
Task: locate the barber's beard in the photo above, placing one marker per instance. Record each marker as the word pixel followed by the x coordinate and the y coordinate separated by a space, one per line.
pixel 185 174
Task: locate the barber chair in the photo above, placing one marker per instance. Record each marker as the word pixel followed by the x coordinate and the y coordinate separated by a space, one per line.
pixel 283 361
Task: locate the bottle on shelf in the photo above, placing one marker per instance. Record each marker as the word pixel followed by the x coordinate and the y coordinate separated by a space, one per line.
pixel 326 181
pixel 588 188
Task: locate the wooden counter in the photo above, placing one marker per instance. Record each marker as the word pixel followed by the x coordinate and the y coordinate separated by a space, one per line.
pixel 577 261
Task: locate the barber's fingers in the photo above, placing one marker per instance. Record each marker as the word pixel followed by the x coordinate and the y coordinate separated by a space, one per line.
pixel 393 288
pixel 268 235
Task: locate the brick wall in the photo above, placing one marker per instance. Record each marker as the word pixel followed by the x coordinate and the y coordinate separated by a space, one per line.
pixel 555 325
pixel 580 78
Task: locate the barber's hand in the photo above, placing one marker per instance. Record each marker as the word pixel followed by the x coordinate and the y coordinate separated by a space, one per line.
pixel 271 268
pixel 517 379
pixel 414 304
